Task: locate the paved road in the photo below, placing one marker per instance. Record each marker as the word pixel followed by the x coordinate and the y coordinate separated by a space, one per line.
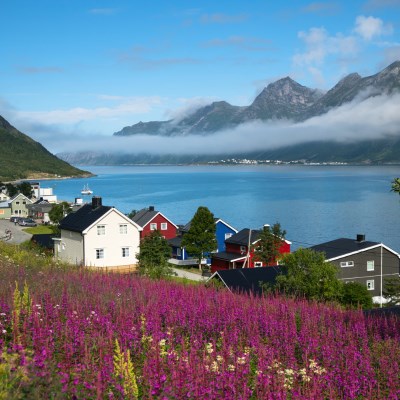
pixel 17 234
pixel 189 275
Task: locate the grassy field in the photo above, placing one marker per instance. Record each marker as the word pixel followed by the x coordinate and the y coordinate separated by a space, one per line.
pixel 67 332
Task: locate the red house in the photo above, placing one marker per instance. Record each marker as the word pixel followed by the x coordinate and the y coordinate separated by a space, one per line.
pixel 237 254
pixel 150 220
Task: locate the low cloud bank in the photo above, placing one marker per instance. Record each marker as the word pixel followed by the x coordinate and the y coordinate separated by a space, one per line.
pixel 373 118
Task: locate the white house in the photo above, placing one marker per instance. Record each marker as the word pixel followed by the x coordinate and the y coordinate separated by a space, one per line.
pixel 98 236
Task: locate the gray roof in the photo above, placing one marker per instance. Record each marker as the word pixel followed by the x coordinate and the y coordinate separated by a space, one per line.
pixel 143 217
pixel 242 237
pixel 341 247
pixel 83 218
pixel 224 255
pixel 249 280
pixel 175 242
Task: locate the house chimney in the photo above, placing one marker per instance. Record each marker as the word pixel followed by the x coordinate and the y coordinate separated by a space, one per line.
pixel 96 202
pixel 151 208
pixel 360 238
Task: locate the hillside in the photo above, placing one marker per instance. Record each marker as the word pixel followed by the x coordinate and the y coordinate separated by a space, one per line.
pixel 24 158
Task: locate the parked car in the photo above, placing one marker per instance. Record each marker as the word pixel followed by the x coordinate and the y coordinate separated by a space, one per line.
pixel 27 222
pixel 15 219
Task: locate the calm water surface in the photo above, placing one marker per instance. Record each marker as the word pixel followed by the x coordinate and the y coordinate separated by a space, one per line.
pixel 313 204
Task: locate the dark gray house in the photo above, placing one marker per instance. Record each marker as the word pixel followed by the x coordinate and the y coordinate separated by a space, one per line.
pixel 359 260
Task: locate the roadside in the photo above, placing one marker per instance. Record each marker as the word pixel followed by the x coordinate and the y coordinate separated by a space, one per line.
pixel 189 275
pixel 18 236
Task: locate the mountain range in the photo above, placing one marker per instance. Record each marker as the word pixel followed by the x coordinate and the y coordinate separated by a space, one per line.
pixel 283 100
pixel 24 158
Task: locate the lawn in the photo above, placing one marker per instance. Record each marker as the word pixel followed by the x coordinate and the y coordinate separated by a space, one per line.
pixel 38 230
pixel 71 333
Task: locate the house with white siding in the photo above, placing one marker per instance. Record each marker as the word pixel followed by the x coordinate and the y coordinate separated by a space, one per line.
pixel 98 236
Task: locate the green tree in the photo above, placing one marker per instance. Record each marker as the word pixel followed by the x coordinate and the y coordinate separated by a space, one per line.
pixel 270 241
pixel 59 211
pixel 396 185
pixel 391 291
pixel 153 256
pixel 132 214
pixel 11 189
pixel 26 189
pixel 309 275
pixel 200 240
pixel 355 295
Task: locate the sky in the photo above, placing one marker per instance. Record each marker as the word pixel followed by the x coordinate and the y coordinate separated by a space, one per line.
pixel 73 72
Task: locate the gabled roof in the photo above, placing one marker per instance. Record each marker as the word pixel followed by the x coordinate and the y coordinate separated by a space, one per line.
pixel 226 256
pixel 19 195
pixel 248 279
pixel 83 218
pixel 175 242
pixel 344 247
pixel 145 216
pixel 242 237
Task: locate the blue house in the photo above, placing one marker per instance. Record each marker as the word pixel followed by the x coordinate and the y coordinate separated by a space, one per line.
pixel 180 256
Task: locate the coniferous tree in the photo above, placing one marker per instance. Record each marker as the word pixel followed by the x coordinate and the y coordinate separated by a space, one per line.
pixel 391 291
pixel 267 247
pixel 201 239
pixel 153 256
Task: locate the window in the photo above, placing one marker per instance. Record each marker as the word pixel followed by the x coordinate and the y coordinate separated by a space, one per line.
pixel 258 264
pixel 228 235
pixel 164 226
pixel 153 226
pixel 178 252
pixel 371 284
pixel 99 254
pixel 370 265
pixel 243 249
pixel 125 252
pixel 123 229
pixel 101 229
pixel 17 202
pixel 345 264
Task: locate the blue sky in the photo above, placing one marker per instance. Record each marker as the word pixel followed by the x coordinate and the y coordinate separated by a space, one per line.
pixel 88 68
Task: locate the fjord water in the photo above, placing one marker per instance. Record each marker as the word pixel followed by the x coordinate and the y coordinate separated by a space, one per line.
pixel 314 204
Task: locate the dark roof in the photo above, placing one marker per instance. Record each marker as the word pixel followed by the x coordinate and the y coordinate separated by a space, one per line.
pixel 246 280
pixel 44 240
pixel 175 242
pixel 242 237
pixel 143 217
pixel 341 247
pixel 224 255
pixel 80 220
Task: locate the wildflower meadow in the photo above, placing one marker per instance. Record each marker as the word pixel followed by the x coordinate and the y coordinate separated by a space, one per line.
pixel 71 333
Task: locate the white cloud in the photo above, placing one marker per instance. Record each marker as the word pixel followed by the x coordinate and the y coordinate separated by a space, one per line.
pixel 128 106
pixel 372 118
pixel 319 44
pixel 370 27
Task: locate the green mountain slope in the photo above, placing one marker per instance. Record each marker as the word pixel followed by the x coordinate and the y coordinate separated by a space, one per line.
pixel 22 158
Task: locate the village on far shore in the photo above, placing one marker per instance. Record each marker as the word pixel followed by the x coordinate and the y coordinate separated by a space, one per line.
pixel 98 236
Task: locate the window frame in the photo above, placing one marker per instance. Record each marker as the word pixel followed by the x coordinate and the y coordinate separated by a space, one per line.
pixel 164 226
pixel 125 252
pixel 101 230
pixel 123 229
pixel 370 284
pixel 153 226
pixel 373 265
pixel 346 264
pixel 258 264
pixel 100 254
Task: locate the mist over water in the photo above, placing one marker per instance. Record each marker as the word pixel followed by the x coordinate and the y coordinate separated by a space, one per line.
pixel 314 204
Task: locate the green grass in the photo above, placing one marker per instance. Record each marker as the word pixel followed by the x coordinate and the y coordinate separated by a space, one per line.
pixel 38 230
